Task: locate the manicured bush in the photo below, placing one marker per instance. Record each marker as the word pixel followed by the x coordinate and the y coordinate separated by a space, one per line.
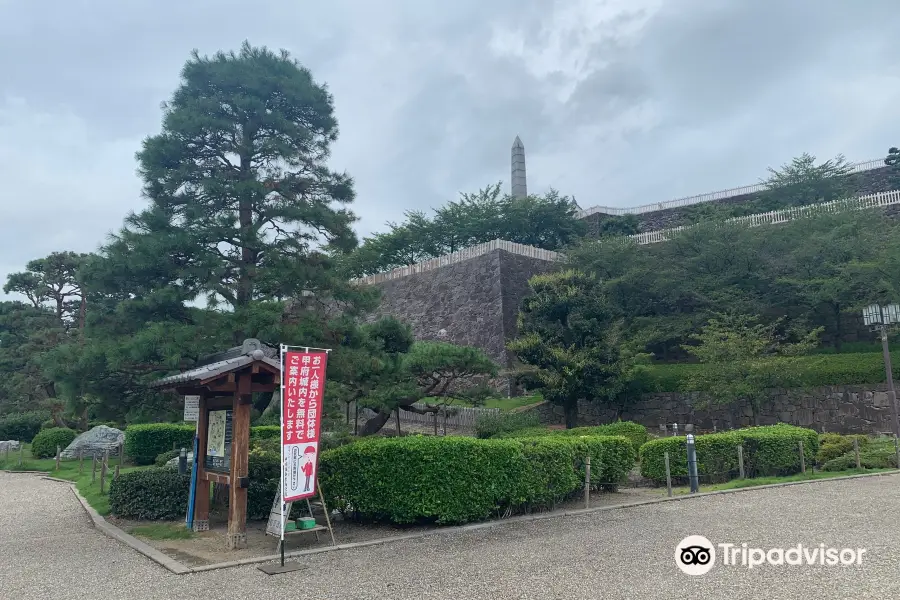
pixel 635 432
pixel 456 479
pixel 261 432
pixel 492 425
pixel 143 443
pixel 877 453
pixel 264 473
pixel 769 450
pixel 45 442
pixel 21 427
pixel 165 457
pixel 154 494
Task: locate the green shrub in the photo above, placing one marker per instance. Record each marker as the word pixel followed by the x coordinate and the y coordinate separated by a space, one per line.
pixel 635 432
pixel 456 479
pixel 769 450
pixel 264 474
pixel 833 445
pixel 262 432
pixel 154 494
pixel 143 443
pixel 22 426
pixel 491 425
pixel 164 457
pixel 45 442
pixel 877 453
pixel 48 424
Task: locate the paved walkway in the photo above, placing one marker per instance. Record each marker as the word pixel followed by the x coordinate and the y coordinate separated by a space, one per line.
pixel 49 550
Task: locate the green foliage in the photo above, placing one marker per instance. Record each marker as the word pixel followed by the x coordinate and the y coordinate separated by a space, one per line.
pixel 492 425
pixel 743 359
pixel 22 427
pixel 264 476
pixel 634 432
pixel 164 457
pixel 877 453
pixel 455 480
pixel 143 443
pixel 45 442
pixel 768 450
pixel 571 332
pixel 265 432
pixel 152 494
pixel 546 221
pixel 833 445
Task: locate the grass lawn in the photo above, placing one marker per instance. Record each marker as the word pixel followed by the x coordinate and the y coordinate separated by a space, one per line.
pixel 163 531
pixel 745 483
pixel 68 469
pixel 505 404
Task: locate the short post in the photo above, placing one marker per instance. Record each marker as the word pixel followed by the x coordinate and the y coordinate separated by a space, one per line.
pixel 674 429
pixel 434 415
pixel 896 451
pixel 58 450
pixel 802 458
pixel 80 462
pixel 6 451
pixel 692 464
pixel 587 482
pixel 856 451
pixel 668 476
pixel 741 461
pixel 121 452
pixel 93 469
pixel 103 475
pixel 174 445
pixel 116 474
pixel 182 462
pixel 398 422
pixel 21 450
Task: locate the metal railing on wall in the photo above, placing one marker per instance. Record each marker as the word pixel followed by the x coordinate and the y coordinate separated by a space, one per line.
pixel 859 167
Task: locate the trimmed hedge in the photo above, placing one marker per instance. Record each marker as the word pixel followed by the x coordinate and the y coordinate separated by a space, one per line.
pixel 155 494
pixel 457 479
pixel 768 450
pixel 22 426
pixel 143 443
pixel 166 456
pixel 833 445
pixel 634 432
pixel 45 442
pixel 875 453
pixel 492 425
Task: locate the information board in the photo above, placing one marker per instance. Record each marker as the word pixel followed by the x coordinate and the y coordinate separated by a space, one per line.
pixel 218 441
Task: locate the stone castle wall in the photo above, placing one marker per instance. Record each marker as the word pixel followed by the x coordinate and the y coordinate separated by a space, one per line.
pixel 838 409
pixel 865 182
pixel 475 301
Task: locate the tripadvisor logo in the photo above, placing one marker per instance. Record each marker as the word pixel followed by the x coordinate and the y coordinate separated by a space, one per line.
pixel 696 555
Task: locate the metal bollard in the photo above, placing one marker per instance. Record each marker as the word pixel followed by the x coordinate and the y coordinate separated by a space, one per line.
pixel 674 429
pixel 587 482
pixel 802 458
pixel 182 462
pixel 692 464
pixel 856 451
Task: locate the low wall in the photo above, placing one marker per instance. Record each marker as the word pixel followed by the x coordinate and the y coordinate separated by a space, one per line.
pixel 839 409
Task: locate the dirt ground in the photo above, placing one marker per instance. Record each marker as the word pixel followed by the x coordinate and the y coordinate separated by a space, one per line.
pixel 209 547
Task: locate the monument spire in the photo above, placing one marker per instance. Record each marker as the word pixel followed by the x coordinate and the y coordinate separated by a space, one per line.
pixel 519 187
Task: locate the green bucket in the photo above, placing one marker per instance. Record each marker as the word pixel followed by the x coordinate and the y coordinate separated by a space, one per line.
pixel 306 523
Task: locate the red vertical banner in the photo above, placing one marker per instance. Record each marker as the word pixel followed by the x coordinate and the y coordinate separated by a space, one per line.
pixel 302 391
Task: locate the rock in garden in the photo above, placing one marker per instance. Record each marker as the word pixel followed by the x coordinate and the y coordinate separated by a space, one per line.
pixel 9 445
pixel 95 442
pixel 174 462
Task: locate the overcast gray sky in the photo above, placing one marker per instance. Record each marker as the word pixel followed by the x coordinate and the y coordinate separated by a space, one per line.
pixel 618 102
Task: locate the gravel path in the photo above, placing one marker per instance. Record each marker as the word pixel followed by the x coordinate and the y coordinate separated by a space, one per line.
pixel 49 550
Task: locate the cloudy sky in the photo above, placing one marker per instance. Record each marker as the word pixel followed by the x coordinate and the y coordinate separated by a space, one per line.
pixel 618 102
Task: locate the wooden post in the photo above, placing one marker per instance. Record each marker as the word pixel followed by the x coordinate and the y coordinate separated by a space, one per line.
pixel 58 450
pixel 741 461
pixel 93 469
pixel 116 474
pixel 434 414
pixel 240 448
pixel 668 477
pixel 80 462
pixel 6 451
pixel 856 451
pixel 587 482
pixel 121 452
pixel 21 451
pixel 802 458
pixel 398 422
pixel 201 493
pixel 103 474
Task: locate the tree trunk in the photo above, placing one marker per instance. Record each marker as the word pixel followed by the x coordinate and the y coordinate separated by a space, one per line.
pixel 571 411
pixel 375 424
